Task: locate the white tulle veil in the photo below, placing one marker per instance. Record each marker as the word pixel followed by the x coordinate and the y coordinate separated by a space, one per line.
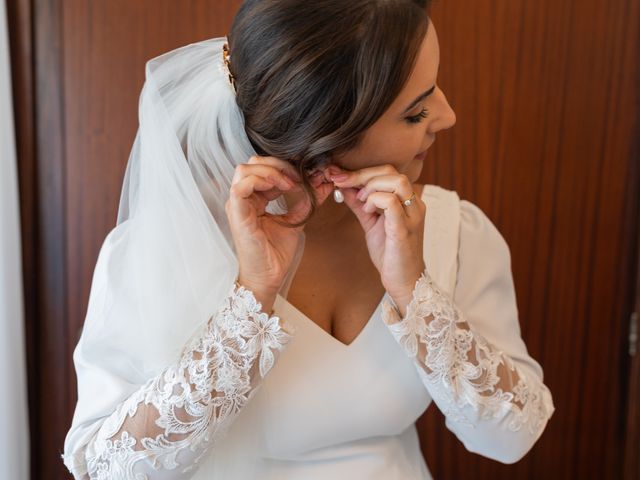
pixel 169 262
pixel 174 259
pixel 164 269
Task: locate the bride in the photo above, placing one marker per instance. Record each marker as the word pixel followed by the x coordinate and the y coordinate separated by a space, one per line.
pixel 279 298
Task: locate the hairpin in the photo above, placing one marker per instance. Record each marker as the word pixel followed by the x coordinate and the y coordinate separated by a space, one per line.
pixel 226 58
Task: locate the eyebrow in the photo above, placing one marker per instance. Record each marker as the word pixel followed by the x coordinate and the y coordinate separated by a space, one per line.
pixel 419 98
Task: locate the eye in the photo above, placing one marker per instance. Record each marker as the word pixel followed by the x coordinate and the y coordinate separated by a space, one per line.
pixel 419 117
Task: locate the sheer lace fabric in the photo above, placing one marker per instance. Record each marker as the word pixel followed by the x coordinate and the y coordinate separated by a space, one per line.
pixel 460 368
pixel 167 425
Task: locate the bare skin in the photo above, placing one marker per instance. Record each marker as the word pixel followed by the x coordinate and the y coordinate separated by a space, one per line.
pixel 337 284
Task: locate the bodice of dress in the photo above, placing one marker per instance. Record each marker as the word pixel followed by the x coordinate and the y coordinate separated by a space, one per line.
pixel 326 404
pixel 330 410
pixel 277 397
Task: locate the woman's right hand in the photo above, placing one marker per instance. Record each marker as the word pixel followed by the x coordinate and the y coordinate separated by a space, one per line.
pixel 265 249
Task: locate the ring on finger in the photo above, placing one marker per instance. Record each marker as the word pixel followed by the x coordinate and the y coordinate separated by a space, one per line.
pixel 409 201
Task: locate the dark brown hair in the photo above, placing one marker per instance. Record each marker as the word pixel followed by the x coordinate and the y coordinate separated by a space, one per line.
pixel 312 75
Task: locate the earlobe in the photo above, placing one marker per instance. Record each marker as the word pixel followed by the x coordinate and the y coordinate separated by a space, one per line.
pixel 316 178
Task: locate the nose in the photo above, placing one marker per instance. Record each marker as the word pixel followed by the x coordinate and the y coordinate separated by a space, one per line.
pixel 446 117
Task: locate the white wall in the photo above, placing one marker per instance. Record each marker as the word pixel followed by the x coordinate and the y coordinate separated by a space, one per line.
pixel 14 433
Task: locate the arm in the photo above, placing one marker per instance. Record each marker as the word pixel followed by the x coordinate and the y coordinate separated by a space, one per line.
pixel 475 364
pixel 165 426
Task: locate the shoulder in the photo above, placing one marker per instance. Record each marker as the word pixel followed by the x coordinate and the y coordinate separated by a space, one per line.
pixel 477 229
pixel 443 206
pixel 483 252
pixel 435 193
pixel 473 220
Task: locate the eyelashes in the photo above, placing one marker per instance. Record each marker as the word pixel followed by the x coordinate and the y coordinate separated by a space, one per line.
pixel 419 117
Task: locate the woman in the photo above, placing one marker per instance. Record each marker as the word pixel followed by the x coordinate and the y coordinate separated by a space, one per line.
pixel 243 325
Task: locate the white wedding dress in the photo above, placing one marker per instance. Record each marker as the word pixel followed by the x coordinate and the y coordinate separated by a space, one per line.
pixel 277 397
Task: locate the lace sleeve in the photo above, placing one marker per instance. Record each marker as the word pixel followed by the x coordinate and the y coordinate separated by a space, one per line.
pixel 166 426
pixel 496 407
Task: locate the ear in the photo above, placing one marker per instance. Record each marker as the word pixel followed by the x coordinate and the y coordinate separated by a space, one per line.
pixel 322 186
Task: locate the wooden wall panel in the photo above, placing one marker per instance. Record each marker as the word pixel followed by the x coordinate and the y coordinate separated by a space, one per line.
pixel 546 96
pixel 546 143
pixel 632 434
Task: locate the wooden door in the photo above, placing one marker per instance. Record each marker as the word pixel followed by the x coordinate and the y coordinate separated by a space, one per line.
pixel 546 144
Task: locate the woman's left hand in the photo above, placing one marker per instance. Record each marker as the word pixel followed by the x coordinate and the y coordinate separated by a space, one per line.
pixel 393 231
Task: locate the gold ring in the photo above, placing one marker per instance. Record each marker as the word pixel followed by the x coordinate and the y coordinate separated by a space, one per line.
pixel 409 200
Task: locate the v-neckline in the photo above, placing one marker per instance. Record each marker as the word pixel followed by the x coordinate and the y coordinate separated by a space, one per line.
pixel 323 332
pixel 360 334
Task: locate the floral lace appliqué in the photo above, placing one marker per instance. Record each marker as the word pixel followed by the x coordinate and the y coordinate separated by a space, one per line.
pixel 193 402
pixel 460 364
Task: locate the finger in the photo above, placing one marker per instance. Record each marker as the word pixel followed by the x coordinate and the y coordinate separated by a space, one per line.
pixel 395 218
pixel 367 220
pixel 282 165
pixel 243 190
pixel 328 170
pixel 271 194
pixel 267 172
pixel 399 185
pixel 359 178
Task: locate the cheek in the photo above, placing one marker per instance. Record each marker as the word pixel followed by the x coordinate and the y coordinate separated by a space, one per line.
pixel 401 149
pixel 397 146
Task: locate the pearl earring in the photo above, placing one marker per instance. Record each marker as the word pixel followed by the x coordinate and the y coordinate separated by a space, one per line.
pixel 338 196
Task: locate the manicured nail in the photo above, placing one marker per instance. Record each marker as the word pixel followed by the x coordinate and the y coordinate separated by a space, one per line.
pixel 360 195
pixel 340 177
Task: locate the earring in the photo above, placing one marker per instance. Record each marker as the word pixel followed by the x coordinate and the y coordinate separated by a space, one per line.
pixel 338 196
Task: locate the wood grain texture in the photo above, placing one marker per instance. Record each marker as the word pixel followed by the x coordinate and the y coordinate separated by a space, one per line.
pixel 546 143
pixel 52 283
pixel 632 436
pixel 19 15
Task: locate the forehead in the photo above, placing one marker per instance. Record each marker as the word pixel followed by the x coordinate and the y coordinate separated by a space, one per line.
pixel 425 70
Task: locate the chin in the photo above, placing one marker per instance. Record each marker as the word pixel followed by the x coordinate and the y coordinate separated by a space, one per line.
pixel 414 170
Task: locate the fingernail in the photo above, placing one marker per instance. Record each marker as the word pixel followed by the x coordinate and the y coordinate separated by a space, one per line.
pixel 340 177
pixel 360 194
